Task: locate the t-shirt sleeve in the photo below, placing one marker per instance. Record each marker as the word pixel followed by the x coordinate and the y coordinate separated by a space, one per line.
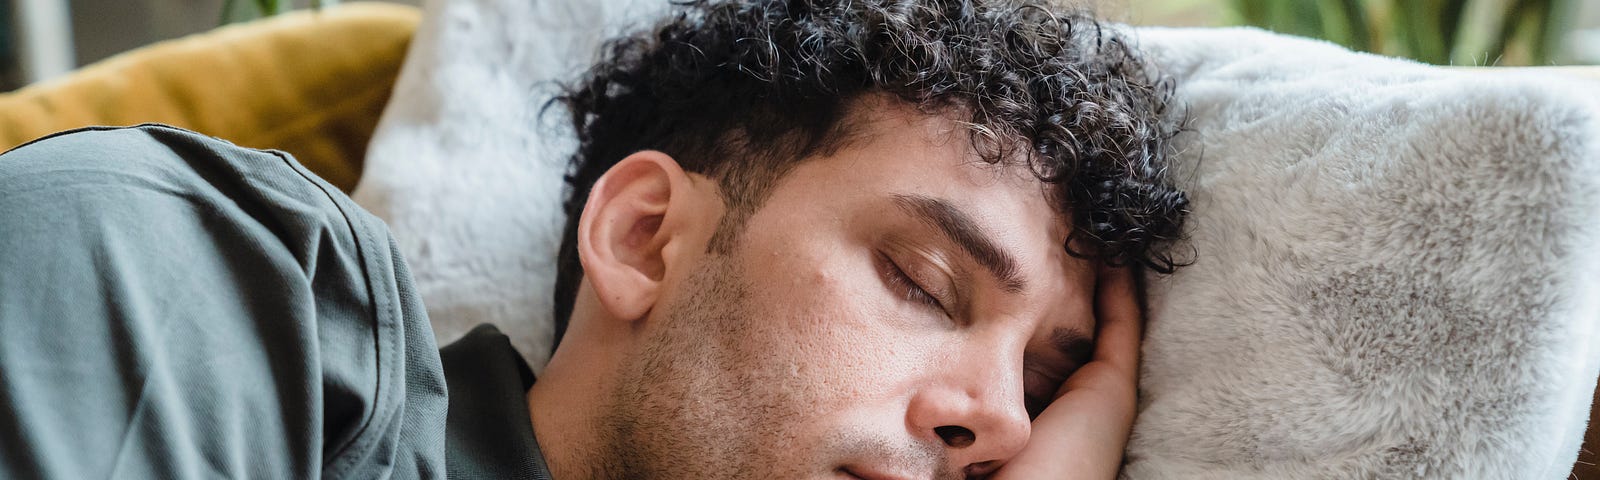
pixel 173 306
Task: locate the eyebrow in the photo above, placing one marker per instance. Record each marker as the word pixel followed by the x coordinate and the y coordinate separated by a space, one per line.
pixel 960 229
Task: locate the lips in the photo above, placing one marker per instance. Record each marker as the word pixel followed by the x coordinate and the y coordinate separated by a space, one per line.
pixel 868 473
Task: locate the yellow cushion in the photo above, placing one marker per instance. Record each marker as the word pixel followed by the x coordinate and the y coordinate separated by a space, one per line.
pixel 309 83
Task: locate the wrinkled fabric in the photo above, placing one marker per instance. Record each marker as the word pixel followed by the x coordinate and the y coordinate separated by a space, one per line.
pixel 490 432
pixel 173 306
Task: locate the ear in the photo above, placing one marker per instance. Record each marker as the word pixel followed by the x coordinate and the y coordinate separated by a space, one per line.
pixel 624 232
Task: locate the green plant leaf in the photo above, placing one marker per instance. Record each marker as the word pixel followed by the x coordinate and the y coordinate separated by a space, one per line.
pixel 1303 18
pixel 1345 23
pixel 1550 36
pixel 1251 12
pixel 235 11
pixel 1477 31
pixel 1450 16
pixel 1527 31
pixel 1420 30
pixel 1467 32
pixel 1400 22
pixel 1360 23
pixel 1510 24
pixel 272 7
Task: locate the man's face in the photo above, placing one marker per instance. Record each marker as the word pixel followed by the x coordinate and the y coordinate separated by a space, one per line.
pixel 894 310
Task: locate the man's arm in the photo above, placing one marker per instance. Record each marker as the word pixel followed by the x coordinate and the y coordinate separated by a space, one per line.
pixel 1082 433
pixel 172 306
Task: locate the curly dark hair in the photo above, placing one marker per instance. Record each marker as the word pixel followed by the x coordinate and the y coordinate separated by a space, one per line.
pixel 741 91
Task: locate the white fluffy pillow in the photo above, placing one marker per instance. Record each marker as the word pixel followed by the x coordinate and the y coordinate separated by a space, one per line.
pixel 1393 279
pixel 466 171
pixel 1395 275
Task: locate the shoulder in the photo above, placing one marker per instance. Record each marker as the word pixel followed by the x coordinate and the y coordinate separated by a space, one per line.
pixel 205 309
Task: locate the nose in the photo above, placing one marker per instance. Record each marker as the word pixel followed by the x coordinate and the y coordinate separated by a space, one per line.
pixel 976 412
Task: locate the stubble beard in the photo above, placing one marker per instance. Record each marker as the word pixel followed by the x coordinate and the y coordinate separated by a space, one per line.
pixel 708 398
pixel 687 407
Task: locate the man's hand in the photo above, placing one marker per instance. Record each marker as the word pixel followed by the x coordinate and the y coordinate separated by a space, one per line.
pixel 1082 433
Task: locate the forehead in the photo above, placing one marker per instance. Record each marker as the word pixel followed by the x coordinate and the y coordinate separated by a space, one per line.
pixel 893 146
pixel 894 149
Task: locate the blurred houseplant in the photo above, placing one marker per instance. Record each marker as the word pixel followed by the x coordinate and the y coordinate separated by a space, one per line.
pixel 234 11
pixel 1453 32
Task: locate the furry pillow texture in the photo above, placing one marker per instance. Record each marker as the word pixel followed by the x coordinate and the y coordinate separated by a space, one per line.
pixel 1393 274
pixel 466 170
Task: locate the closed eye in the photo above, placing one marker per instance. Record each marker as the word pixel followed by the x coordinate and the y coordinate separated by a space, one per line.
pixel 903 285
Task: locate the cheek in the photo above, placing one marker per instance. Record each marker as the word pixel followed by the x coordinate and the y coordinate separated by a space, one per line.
pixel 829 328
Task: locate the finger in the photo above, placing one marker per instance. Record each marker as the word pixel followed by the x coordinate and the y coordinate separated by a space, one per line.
pixel 1120 321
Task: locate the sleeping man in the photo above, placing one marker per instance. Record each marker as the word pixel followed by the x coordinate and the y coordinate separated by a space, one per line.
pixel 879 239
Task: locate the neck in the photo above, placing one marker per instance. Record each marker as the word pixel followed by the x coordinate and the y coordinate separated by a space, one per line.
pixel 567 403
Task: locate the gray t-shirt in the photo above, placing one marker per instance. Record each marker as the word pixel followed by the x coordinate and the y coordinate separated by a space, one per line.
pixel 173 306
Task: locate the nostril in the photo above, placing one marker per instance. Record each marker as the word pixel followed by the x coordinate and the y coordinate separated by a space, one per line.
pixel 956 437
pixel 982 470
